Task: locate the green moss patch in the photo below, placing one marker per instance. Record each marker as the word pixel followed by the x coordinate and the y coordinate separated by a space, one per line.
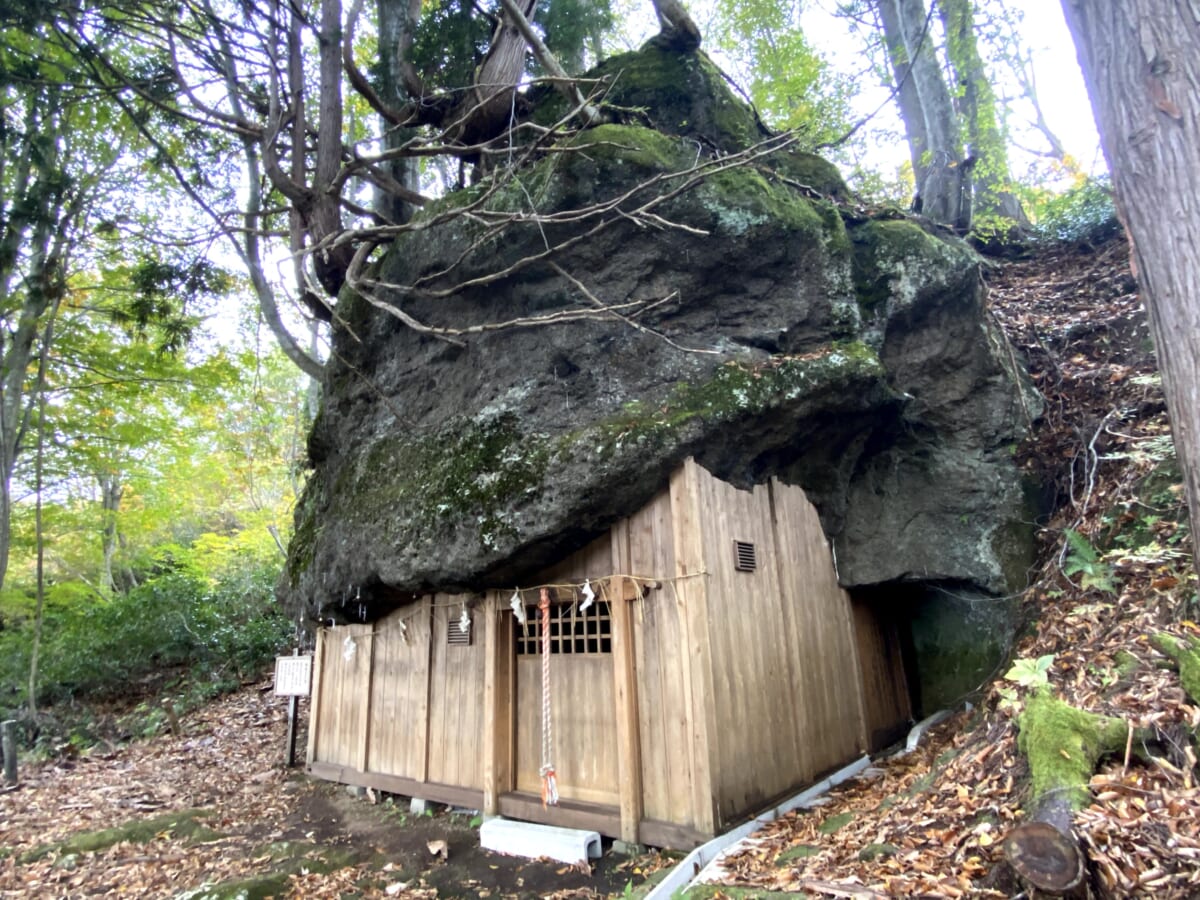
pixel 741 893
pixel 1064 744
pixel 891 256
pixel 172 826
pixel 284 859
pixel 642 147
pixel 1186 655
pixel 742 198
pixel 872 852
pixel 677 93
pixel 481 468
pixel 800 851
pixel 737 390
pixel 835 823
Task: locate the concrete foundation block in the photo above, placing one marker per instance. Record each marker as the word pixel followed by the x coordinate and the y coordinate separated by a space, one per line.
pixel 568 845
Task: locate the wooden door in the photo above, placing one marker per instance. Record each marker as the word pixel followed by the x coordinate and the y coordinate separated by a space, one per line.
pixel 582 703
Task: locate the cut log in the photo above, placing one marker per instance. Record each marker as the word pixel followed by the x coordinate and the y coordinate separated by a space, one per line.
pixel 1063 745
pixel 1045 858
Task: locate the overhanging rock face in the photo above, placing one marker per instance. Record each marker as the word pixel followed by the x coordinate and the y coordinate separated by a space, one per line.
pixel 763 325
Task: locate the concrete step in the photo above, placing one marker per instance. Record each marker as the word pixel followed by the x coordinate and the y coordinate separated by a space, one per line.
pixel 569 845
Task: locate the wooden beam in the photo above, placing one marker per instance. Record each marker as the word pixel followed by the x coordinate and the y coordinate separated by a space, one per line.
pixel 629 748
pixel 491 711
pixel 567 814
pixel 466 798
pixel 364 756
pixel 314 703
pixel 630 589
pixel 428 618
pixel 692 592
pixel 667 834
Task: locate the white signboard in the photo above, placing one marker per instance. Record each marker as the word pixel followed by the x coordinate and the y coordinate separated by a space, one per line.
pixel 293 675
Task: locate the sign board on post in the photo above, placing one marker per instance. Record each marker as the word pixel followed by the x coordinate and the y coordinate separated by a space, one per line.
pixel 293 679
pixel 293 675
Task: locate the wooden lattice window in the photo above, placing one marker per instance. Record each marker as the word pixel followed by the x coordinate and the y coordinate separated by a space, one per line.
pixel 572 630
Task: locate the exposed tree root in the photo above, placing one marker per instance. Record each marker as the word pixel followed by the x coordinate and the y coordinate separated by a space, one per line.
pixel 1186 656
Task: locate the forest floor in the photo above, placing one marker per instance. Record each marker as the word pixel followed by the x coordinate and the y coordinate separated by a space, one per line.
pixel 212 804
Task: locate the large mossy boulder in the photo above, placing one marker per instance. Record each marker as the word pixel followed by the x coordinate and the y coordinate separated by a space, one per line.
pixel 759 324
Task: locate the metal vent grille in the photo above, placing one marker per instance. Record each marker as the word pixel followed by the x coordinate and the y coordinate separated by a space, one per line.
pixel 745 556
pixel 455 635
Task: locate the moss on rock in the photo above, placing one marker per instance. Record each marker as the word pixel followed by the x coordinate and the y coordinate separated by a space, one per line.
pixel 1064 744
pixel 735 390
pixel 892 257
pixel 677 93
pixel 481 467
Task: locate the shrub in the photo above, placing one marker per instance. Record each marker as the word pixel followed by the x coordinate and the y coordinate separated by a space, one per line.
pixel 221 630
pixel 1083 214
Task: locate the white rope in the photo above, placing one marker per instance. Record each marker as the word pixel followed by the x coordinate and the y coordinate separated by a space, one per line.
pixel 549 782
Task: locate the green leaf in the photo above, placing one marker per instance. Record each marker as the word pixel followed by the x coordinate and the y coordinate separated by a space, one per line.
pixel 1031 672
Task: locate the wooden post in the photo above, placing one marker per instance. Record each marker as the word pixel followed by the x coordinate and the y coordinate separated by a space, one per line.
pixel 629 747
pixel 293 712
pixel 498 687
pixel 8 739
pixel 314 705
pixel 491 780
pixel 364 754
pixel 692 596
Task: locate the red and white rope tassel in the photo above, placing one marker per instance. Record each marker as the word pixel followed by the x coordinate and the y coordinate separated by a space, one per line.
pixel 549 785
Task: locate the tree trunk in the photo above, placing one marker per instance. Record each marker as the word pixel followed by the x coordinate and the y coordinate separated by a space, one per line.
pixel 34 222
pixel 111 491
pixel 977 110
pixel 679 31
pixel 943 183
pixel 1141 62
pixel 488 106
pixel 397 27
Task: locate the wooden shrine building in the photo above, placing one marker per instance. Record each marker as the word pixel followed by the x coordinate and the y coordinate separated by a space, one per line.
pixel 719 667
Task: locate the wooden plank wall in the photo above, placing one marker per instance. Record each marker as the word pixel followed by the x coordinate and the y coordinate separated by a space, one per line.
pixel 745 685
pixel 886 700
pixel 399 700
pixel 760 752
pixel 828 689
pixel 344 683
pixel 785 676
pixel 644 544
pixel 456 689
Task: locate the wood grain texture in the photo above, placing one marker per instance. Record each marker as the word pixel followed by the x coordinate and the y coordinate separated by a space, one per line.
pixel 887 707
pixel 456 714
pixel 724 688
pixel 691 591
pixel 345 668
pixel 625 696
pixel 584 748
pixel 399 698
